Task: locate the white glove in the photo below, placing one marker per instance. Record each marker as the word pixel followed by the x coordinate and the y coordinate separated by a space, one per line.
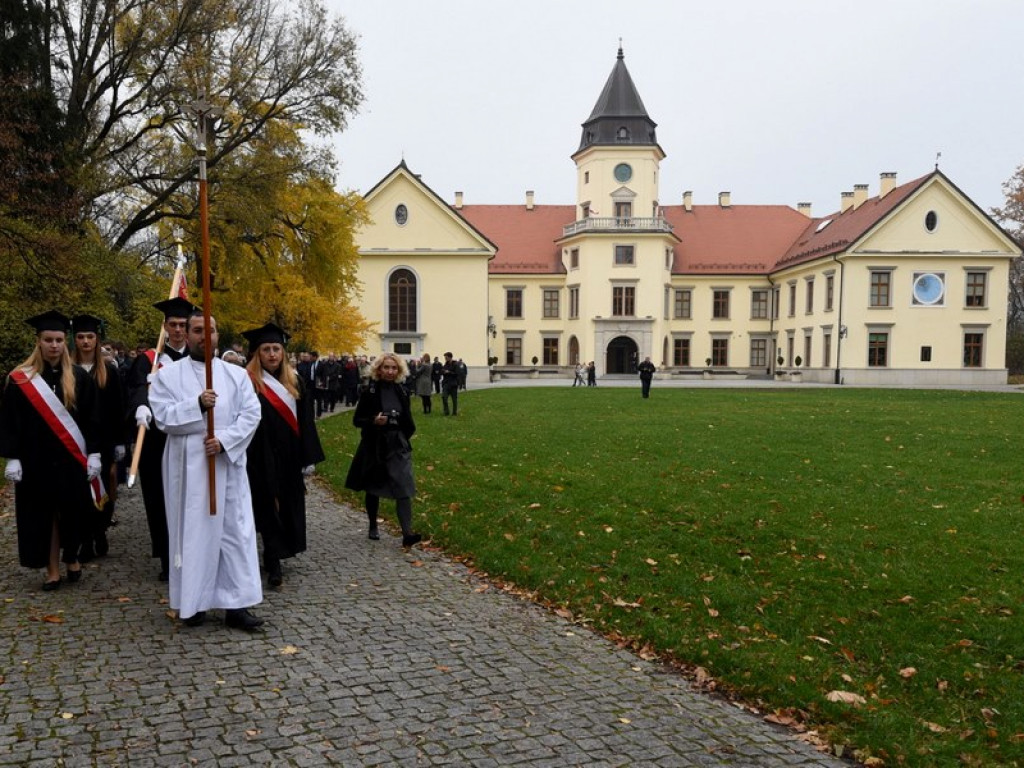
pixel 143 416
pixel 307 471
pixel 119 452
pixel 13 470
pixel 93 465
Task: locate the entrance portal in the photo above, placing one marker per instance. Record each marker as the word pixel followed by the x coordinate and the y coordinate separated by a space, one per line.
pixel 622 355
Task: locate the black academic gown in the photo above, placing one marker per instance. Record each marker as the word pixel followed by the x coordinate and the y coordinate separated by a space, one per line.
pixel 150 472
pixel 53 482
pixel 276 457
pixel 112 398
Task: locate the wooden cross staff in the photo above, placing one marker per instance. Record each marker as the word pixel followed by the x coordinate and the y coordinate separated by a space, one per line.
pixel 205 113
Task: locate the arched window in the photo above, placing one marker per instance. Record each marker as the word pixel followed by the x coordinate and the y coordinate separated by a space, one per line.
pixel 622 134
pixel 402 301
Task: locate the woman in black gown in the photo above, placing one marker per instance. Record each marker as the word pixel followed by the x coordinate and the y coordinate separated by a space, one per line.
pixel 283 452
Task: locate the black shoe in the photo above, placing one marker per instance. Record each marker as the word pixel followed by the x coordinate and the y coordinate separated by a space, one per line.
pixel 412 538
pixel 197 619
pixel 164 569
pixel 240 618
pixel 274 576
pixel 102 546
pixel 86 553
pixel 74 576
pixel 50 586
pixel 374 534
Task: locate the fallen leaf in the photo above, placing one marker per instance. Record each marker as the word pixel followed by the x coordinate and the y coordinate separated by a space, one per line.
pixel 934 727
pixel 535 505
pixel 510 537
pixel 124 599
pixel 51 619
pixel 822 640
pixel 416 563
pixel 941 685
pixel 906 599
pixel 67 715
pixel 908 672
pixel 253 733
pixel 289 650
pixel 625 720
pixel 443 668
pixel 846 697
pixel 649 561
pixel 608 529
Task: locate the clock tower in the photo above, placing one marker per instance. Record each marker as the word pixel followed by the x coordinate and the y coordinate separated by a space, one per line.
pixel 619 251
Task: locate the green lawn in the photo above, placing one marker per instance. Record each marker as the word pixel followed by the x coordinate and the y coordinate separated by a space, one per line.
pixel 789 542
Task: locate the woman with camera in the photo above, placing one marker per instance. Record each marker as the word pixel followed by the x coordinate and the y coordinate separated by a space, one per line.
pixel 382 464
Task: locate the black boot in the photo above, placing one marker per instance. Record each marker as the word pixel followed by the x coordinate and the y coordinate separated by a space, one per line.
pixel 274 576
pixel 374 532
pixel 164 574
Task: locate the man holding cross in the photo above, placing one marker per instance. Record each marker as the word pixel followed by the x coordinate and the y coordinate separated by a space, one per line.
pixel 214 561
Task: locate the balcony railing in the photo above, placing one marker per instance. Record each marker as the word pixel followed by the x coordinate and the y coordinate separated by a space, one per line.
pixel 617 224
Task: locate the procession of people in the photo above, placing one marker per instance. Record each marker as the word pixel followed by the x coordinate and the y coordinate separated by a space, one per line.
pixel 76 413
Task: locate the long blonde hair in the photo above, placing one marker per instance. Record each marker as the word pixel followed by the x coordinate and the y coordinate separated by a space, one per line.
pixel 34 364
pixel 286 374
pixel 99 364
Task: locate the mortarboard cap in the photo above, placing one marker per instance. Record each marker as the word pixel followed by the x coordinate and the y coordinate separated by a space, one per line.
pixel 49 321
pixel 268 334
pixel 176 307
pixel 86 324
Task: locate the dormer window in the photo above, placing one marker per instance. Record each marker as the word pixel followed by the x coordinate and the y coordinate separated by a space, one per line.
pixel 622 134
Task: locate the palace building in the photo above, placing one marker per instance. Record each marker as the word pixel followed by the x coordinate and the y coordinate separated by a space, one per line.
pixel 904 287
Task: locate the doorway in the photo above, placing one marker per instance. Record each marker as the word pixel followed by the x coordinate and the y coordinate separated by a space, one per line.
pixel 622 355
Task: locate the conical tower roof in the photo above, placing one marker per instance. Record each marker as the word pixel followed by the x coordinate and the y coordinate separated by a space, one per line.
pixel 619 116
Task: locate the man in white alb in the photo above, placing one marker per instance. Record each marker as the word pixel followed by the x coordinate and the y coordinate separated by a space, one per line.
pixel 214 562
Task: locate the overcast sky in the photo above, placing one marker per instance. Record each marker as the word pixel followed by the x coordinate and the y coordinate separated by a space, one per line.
pixel 777 102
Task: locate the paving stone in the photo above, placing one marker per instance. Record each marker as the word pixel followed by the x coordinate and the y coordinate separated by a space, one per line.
pixel 370 656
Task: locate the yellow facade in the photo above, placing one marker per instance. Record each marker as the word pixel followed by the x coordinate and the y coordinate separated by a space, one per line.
pixel 915 296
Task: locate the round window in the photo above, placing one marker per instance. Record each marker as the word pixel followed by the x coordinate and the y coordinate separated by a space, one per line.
pixel 623 172
pixel 928 289
pixel 931 221
pixel 401 214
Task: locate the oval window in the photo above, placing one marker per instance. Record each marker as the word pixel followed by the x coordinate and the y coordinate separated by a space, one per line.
pixel 401 214
pixel 623 172
pixel 931 221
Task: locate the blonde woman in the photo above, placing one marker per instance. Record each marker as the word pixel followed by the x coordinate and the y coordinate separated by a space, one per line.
pixel 49 434
pixel 283 451
pixel 382 464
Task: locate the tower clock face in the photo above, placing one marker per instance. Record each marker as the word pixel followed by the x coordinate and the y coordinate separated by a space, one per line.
pixel 623 172
pixel 928 288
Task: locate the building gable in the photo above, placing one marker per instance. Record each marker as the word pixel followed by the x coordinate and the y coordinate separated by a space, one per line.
pixel 406 216
pixel 936 219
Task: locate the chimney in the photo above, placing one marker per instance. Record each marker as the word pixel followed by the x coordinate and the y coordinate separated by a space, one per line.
pixel 860 194
pixel 724 199
pixel 804 208
pixel 845 201
pixel 529 199
pixel 458 201
pixel 688 201
pixel 887 183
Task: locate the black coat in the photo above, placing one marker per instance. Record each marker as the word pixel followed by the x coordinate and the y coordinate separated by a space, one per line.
pixel 53 482
pixel 275 459
pixel 382 464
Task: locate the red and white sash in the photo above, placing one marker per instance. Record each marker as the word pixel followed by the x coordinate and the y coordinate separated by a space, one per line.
pixel 57 418
pixel 282 400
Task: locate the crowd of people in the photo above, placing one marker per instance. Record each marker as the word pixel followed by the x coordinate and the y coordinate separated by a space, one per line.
pixel 77 419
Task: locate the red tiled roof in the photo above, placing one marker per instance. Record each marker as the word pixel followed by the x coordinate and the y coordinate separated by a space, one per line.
pixel 525 238
pixel 846 227
pixel 737 240
pixel 740 239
